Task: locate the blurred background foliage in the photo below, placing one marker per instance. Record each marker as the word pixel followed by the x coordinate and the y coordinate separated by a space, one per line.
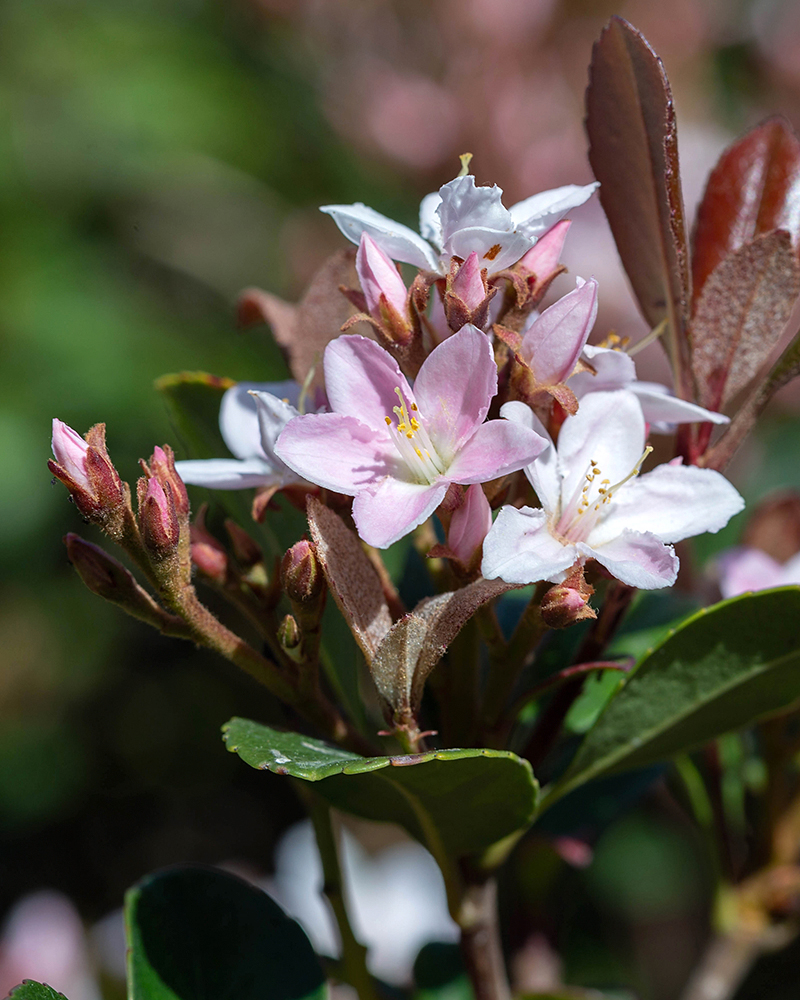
pixel 157 157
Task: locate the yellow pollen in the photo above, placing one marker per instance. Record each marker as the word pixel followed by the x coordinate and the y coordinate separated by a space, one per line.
pixel 388 421
pixel 413 405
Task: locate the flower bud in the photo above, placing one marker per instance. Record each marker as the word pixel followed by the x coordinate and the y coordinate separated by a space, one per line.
pixel 208 555
pixel 469 525
pixel 568 602
pixel 543 259
pixel 467 297
pixel 158 518
pixel 380 280
pixel 301 573
pixel 290 637
pixel 469 283
pixel 162 467
pixel 83 466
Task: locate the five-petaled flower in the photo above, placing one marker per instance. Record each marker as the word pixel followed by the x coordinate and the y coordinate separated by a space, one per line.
pixel 595 506
pixel 396 449
pixel 459 218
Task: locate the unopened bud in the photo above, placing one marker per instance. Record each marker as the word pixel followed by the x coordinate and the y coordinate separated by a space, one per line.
pixel 301 573
pixel 108 578
pixel 83 466
pixel 469 282
pixel 208 555
pixel 380 280
pixel 158 519
pixel 467 297
pixel 568 602
pixel 248 553
pixel 162 467
pixel 290 637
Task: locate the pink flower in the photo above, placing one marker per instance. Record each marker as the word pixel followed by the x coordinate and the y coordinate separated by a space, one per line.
pixel 745 569
pixel 396 450
pixel 553 341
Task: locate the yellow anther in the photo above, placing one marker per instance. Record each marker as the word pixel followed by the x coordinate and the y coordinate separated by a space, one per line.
pixel 388 421
pixel 414 406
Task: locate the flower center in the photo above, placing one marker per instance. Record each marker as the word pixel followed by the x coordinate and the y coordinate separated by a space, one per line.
pixel 412 441
pixel 586 505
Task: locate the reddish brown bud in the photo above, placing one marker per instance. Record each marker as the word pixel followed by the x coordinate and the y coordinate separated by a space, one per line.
pixel 248 553
pixel 568 602
pixel 107 577
pixel 158 518
pixel 208 555
pixel 84 467
pixel 301 573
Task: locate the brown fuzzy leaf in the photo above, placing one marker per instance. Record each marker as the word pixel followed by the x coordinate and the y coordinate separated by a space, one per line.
pixel 630 121
pixel 303 331
pixel 754 188
pixel 418 641
pixel 740 316
pixel 351 577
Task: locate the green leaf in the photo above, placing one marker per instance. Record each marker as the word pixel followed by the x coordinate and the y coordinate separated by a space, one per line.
pixel 193 400
pixel 29 990
pixel 722 669
pixel 456 802
pixel 195 933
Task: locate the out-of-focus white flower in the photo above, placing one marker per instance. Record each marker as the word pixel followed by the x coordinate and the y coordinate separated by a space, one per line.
pixel 396 899
pixel 744 569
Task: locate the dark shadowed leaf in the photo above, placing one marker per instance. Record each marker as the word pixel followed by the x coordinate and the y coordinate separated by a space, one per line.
pixel 724 668
pixel 754 188
pixel 196 933
pixel 351 577
pixel 193 400
pixel 415 644
pixel 303 331
pixel 456 802
pixel 630 120
pixel 740 316
pixel 29 990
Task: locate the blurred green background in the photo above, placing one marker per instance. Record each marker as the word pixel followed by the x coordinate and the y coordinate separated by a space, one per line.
pixel 155 159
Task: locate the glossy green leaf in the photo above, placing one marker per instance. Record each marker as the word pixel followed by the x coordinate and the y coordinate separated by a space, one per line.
pixel 195 933
pixel 29 990
pixel 193 400
pixel 454 801
pixel 723 668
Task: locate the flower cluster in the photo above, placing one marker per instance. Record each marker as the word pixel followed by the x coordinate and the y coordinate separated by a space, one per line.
pixel 574 417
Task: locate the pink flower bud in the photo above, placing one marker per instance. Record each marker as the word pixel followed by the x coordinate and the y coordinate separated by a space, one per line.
pixel 158 519
pixel 469 525
pixel 247 552
pixel 301 573
pixel 70 451
pixel 162 466
pixel 469 283
pixel 380 281
pixel 207 554
pixel 544 258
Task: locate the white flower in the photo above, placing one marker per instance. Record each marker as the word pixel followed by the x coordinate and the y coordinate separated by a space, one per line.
pixel 595 507
pixel 460 218
pixel 616 370
pixel 251 417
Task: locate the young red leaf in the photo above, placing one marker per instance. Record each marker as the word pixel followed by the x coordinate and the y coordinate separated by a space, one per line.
pixel 633 151
pixel 740 316
pixel 754 188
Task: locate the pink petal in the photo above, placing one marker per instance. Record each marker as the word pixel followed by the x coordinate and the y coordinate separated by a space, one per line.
pixel 554 342
pixel 497 448
pixel 393 507
pixel 454 388
pixel 69 450
pixel 636 558
pixel 544 258
pixel 469 524
pixel 745 569
pixel 361 378
pixel 379 276
pixel 520 549
pixel 336 451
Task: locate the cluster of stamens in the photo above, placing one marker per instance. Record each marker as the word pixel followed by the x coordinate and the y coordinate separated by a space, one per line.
pixel 412 441
pixel 574 525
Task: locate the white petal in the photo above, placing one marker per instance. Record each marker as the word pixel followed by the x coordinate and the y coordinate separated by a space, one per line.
pixel 663 410
pixel 744 569
pixel 672 502
pixel 607 429
pixel 465 205
pixel 636 558
pixel 273 415
pixel 429 223
pixel 238 419
pixel 398 241
pixel 613 370
pixel 535 215
pixel 228 473
pixel 543 471
pixel 520 549
pixel 496 248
